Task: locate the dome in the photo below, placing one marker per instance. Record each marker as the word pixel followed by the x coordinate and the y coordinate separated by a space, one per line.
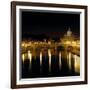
pixel 69 33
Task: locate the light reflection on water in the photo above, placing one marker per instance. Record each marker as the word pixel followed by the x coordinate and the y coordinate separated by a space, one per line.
pixel 77 63
pixel 65 61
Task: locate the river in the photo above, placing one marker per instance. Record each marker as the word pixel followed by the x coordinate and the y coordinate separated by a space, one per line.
pixel 49 63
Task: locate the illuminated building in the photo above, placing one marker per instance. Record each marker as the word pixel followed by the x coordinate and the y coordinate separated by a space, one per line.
pixel 70 39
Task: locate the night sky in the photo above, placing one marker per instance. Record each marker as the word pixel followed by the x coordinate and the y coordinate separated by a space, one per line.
pixel 39 25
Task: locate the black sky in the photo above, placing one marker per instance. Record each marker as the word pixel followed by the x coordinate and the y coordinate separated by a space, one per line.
pixel 39 25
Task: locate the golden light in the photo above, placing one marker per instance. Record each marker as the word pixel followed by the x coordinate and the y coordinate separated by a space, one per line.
pixel 22 44
pixel 74 43
pixel 23 57
pixel 68 42
pixel 29 56
pixel 77 63
pixel 26 45
pixel 29 44
pixel 49 42
pixel 60 60
pixel 49 54
pixel 40 60
pixel 69 58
